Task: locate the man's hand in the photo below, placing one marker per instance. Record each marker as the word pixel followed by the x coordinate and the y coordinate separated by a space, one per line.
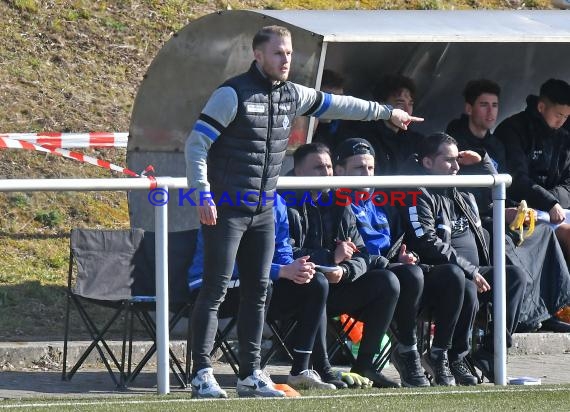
pixel 353 380
pixel 300 271
pixel 406 257
pixel 334 277
pixel 208 213
pixel 557 214
pixel 468 158
pixel 402 119
pixel 344 250
pixel 481 283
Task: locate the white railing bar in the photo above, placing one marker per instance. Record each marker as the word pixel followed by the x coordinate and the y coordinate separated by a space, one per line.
pixel 498 182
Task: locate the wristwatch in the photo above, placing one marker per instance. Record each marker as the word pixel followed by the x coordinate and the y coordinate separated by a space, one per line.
pixel 344 271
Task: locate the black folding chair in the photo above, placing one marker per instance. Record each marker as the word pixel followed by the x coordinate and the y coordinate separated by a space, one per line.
pixel 339 332
pixel 181 248
pixel 115 269
pixel 280 332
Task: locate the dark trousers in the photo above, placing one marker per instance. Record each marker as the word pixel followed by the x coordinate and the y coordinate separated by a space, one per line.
pixel 305 303
pixel 515 285
pixel 443 300
pixel 372 299
pixel 247 239
pixel 411 279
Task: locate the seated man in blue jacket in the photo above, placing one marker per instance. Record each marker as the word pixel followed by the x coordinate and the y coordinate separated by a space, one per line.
pixel 438 289
pixel 298 291
pixel 327 233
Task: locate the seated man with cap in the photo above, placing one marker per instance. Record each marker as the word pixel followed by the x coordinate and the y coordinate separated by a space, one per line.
pixel 437 289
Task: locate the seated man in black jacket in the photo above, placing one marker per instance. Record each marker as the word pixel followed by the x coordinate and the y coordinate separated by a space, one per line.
pixel 444 227
pixel 379 223
pixel 538 156
pixel 540 255
pixel 327 233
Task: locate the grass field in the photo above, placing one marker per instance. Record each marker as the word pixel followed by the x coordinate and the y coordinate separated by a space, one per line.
pixel 544 398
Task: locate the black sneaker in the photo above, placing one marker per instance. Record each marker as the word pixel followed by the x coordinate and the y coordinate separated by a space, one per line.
pixel 461 373
pixel 409 367
pixel 328 376
pixel 378 379
pixel 484 361
pixel 438 368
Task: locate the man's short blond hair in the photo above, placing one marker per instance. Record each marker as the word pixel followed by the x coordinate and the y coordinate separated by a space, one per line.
pixel 265 33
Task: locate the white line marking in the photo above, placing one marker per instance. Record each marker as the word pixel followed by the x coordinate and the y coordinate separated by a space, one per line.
pixel 360 395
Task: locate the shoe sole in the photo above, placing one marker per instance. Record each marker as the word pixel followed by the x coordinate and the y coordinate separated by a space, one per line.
pixel 255 394
pixel 465 384
pixel 196 395
pixel 309 387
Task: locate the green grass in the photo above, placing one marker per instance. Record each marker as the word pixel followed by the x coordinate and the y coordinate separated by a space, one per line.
pixel 551 398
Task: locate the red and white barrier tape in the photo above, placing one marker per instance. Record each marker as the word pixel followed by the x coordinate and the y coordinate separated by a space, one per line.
pixel 72 140
pixel 18 144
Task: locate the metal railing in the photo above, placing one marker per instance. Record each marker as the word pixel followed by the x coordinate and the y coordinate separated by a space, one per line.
pixel 497 182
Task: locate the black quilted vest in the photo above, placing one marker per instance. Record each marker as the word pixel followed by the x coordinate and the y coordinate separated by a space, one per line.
pixel 245 161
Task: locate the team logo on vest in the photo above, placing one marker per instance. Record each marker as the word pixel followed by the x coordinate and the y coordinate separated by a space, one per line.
pixel 255 108
pixel 285 122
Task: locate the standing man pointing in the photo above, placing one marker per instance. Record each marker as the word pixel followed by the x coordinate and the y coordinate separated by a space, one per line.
pixel 233 160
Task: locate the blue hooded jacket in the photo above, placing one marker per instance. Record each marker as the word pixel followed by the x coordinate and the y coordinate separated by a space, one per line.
pixel 283 252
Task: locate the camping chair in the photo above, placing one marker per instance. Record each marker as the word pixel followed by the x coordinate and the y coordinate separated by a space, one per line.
pixel 181 247
pixel 113 269
pixel 340 330
pixel 280 332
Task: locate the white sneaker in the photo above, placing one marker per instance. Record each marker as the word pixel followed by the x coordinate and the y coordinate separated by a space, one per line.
pixel 204 385
pixel 259 384
pixel 308 379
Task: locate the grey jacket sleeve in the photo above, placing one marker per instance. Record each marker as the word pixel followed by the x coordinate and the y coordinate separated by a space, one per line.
pixel 217 114
pixel 315 103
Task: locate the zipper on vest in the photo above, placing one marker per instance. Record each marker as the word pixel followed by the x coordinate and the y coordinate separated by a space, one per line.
pixel 264 173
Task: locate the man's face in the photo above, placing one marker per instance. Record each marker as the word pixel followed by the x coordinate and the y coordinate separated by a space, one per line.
pixel 483 113
pixel 274 57
pixel 444 162
pixel 554 114
pixel 315 164
pixel 357 165
pixel 402 100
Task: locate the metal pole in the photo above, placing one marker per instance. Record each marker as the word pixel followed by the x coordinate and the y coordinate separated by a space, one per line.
pixel 161 254
pixel 499 285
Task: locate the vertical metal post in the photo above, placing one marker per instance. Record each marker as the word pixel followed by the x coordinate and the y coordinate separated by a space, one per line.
pixel 162 315
pixel 499 284
pixel 318 80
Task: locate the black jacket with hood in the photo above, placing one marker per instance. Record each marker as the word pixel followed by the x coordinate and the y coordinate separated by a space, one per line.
pixel 428 224
pixel 538 158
